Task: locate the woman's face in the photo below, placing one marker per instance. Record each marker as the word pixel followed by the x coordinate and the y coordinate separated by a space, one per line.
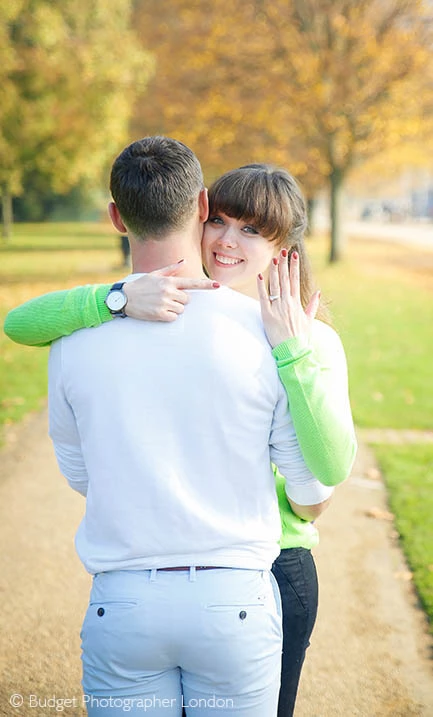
pixel 234 252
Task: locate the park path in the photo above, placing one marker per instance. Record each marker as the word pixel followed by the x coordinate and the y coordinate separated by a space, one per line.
pixel 370 654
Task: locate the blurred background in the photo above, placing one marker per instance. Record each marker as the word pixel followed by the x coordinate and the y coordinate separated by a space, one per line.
pixel 338 92
pixel 341 93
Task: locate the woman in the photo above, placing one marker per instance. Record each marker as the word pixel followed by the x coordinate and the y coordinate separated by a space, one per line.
pixel 253 242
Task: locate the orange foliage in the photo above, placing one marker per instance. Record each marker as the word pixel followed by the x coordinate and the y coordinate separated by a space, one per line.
pixel 316 85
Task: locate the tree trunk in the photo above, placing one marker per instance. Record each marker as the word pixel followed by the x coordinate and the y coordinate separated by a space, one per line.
pixel 311 207
pixel 7 216
pixel 336 183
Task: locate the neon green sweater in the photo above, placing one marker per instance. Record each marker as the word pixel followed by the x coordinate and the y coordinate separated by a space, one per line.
pixel 314 377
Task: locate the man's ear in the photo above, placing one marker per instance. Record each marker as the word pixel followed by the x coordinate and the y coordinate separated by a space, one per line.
pixel 116 218
pixel 203 204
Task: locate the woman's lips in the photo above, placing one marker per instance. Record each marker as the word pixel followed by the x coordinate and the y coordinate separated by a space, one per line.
pixel 227 260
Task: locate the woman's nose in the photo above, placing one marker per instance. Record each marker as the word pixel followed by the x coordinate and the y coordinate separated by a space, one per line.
pixel 229 238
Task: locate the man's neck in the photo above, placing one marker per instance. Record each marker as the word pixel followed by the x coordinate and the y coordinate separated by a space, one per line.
pixel 153 254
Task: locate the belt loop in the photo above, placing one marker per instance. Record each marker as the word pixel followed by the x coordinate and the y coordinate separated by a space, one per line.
pixel 152 578
pixel 192 574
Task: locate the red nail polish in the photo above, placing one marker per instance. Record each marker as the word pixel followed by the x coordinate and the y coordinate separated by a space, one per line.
pixel 275 261
pixel 261 277
pixel 216 285
pixel 180 261
pixel 284 253
pixel 295 255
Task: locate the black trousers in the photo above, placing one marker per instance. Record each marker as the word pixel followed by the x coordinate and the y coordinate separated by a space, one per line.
pixel 295 572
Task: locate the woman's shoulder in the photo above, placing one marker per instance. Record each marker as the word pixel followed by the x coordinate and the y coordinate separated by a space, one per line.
pixel 325 341
pixel 324 332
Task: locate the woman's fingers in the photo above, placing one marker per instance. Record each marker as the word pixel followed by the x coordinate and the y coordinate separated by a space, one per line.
pixel 295 284
pixel 262 292
pixel 183 283
pixel 169 270
pixel 313 305
pixel 283 271
pixel 274 279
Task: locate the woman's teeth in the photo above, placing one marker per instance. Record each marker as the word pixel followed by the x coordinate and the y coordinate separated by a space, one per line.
pixel 227 260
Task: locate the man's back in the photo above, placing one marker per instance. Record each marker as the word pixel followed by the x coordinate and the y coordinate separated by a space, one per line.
pixel 169 430
pixel 174 422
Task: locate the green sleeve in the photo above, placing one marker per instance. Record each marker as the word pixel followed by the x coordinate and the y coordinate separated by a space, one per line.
pixel 315 380
pixel 46 318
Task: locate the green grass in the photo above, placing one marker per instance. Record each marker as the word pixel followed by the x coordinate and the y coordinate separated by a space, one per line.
pixel 408 472
pixel 40 258
pixel 382 307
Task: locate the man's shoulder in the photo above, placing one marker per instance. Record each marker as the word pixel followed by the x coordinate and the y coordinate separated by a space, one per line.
pixel 226 296
pixel 234 304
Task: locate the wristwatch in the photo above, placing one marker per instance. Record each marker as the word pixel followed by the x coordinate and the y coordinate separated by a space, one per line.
pixel 116 300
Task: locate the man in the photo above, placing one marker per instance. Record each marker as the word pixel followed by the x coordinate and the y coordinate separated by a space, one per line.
pixel 169 431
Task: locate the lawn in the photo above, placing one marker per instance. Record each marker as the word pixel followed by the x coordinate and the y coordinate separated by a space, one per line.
pixel 43 258
pixel 381 300
pixel 408 472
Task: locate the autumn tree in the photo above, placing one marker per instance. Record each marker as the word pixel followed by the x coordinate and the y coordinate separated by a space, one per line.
pixel 410 148
pixel 317 85
pixel 70 72
pixel 354 66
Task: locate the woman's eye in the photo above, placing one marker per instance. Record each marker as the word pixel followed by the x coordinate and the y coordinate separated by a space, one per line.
pixel 215 220
pixel 250 230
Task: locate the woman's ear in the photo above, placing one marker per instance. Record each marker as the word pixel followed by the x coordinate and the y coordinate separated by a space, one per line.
pixel 116 218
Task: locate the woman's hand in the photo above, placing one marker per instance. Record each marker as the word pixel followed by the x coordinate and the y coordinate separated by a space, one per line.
pixel 161 296
pixel 282 312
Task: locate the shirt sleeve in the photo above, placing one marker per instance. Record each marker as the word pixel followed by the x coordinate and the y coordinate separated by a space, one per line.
pixel 301 485
pixel 63 428
pixel 316 383
pixel 46 318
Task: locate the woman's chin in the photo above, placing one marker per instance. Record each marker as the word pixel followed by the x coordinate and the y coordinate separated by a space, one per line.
pixel 237 280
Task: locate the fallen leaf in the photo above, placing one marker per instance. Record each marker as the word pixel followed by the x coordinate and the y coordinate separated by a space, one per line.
pixel 373 474
pixel 379 514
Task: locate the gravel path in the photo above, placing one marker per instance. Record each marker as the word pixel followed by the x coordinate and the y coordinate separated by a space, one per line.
pixel 370 653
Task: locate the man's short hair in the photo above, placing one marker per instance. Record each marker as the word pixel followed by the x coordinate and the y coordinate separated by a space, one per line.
pixel 155 183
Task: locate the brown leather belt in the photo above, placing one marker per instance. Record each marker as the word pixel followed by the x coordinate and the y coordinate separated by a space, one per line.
pixel 196 567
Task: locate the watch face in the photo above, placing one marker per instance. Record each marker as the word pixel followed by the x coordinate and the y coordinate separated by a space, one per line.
pixel 116 300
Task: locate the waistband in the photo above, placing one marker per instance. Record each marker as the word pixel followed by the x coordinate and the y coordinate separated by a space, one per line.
pixel 196 567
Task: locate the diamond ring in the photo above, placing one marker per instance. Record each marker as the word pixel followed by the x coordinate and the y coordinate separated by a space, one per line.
pixel 272 298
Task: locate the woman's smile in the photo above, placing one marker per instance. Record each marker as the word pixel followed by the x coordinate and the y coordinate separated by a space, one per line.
pixel 234 252
pixel 226 260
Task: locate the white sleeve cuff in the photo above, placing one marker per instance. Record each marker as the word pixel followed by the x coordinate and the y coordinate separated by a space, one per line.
pixel 309 494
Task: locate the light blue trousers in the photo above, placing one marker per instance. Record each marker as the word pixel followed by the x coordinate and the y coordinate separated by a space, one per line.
pixel 206 640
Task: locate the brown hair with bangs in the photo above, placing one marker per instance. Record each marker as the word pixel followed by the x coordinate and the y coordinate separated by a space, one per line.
pixel 269 199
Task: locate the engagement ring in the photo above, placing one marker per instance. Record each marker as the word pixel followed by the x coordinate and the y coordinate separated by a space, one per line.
pixel 272 298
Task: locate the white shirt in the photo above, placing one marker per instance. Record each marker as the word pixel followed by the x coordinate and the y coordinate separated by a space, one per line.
pixel 170 430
